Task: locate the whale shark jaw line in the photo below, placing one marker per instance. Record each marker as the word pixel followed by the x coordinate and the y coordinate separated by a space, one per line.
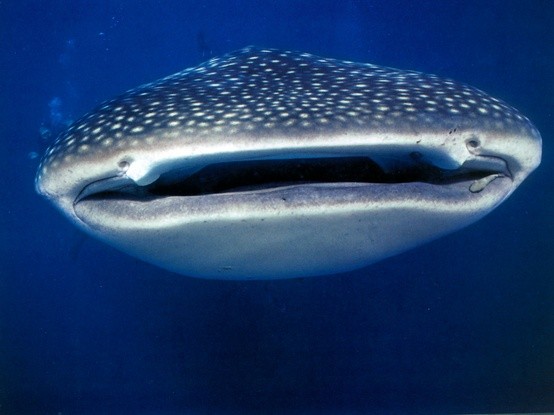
pixel 259 175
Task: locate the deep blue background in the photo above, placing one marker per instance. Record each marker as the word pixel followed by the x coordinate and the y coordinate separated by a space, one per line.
pixel 464 324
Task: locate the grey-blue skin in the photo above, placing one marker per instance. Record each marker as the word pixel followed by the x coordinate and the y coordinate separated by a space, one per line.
pixel 271 164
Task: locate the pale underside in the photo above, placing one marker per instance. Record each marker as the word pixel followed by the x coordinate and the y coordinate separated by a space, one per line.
pixel 287 232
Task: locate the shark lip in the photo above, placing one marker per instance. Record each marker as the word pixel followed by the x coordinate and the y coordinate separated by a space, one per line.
pixel 262 175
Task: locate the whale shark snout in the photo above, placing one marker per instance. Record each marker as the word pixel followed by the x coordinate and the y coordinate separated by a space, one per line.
pixel 273 164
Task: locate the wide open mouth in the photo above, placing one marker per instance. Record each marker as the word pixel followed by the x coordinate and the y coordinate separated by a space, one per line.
pixel 257 175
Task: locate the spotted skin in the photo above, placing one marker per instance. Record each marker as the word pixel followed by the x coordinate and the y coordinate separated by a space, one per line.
pixel 264 92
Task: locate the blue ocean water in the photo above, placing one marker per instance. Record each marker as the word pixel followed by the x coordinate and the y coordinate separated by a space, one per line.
pixel 463 324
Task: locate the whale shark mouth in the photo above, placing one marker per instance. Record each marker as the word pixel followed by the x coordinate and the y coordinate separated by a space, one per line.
pixel 260 175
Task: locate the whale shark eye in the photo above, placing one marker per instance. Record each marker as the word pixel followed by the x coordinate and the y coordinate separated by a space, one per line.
pixel 473 143
pixel 123 165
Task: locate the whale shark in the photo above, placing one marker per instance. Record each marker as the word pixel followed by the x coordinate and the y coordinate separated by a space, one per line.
pixel 264 164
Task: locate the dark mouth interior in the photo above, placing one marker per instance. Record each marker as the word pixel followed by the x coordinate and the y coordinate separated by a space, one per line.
pixel 266 174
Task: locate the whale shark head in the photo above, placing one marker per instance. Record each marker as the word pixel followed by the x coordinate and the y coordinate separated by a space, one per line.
pixel 272 164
